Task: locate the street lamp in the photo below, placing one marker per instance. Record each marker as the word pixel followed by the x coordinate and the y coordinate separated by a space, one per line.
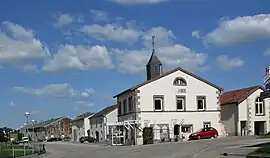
pixel 27 116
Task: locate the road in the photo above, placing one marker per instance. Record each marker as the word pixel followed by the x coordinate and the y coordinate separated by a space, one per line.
pixel 191 149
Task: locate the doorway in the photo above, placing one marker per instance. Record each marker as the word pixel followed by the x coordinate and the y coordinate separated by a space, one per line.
pixel 75 135
pixel 176 130
pixel 243 128
pixel 97 135
pixel 259 127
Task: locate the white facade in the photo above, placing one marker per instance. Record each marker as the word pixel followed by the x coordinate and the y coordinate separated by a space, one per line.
pixel 243 118
pixel 99 125
pixel 80 128
pixel 147 98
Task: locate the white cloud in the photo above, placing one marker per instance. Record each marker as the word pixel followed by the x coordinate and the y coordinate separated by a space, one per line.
pixel 171 56
pixel 99 15
pixel 163 37
pixel 111 32
pixel 85 103
pixel 196 34
pixel 114 32
pixel 28 68
pixel 87 93
pixel 64 90
pixel 79 57
pixel 240 30
pixel 226 63
pixel 18 44
pixel 12 103
pixel 138 2
pixel 63 19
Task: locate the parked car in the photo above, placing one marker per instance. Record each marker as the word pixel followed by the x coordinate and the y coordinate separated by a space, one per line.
pixel 204 133
pixel 25 139
pixel 87 139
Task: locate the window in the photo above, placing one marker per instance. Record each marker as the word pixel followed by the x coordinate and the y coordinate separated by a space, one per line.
pixel 130 104
pixel 91 122
pixel 201 103
pixel 158 103
pixel 96 123
pixel 186 128
pixel 100 122
pixel 206 124
pixel 119 108
pixel 179 81
pixel 125 106
pixel 259 106
pixel 180 102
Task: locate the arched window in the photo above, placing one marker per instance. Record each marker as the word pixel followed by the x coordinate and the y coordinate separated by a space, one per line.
pixel 179 81
pixel 259 106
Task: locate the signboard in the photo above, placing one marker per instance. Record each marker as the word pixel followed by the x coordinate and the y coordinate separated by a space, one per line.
pixel 181 90
pixel 267 75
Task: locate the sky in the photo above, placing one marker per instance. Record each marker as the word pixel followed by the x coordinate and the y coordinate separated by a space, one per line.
pixel 64 58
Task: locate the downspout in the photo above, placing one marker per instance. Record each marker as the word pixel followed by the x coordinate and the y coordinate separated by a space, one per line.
pixel 135 108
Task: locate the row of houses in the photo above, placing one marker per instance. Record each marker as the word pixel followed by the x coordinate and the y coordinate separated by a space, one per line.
pixel 174 104
pixel 179 100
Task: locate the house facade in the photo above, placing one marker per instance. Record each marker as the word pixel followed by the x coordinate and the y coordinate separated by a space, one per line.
pixel 245 112
pixel 99 123
pixel 53 128
pixel 175 103
pixel 81 126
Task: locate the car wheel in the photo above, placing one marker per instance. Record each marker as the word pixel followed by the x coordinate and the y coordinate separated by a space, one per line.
pixel 215 136
pixel 199 137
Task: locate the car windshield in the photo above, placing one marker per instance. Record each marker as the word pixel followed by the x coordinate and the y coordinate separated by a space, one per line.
pixel 200 130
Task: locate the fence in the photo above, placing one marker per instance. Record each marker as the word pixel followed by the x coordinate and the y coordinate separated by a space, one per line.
pixel 8 150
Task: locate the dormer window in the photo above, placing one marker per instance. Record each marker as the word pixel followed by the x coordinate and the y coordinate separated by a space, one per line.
pixel 179 82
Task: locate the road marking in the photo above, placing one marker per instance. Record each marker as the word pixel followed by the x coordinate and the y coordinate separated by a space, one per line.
pixel 197 154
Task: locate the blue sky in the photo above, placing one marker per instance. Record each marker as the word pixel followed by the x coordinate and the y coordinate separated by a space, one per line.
pixel 65 58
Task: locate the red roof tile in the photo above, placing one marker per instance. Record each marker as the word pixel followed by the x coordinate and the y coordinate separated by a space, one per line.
pixel 239 95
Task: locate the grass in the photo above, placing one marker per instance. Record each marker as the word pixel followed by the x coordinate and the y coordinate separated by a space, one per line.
pixel 6 150
pixel 262 151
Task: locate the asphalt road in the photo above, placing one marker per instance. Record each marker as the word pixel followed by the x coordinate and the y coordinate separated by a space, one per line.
pixel 191 149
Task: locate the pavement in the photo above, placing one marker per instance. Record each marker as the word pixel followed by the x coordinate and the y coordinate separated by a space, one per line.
pixel 190 149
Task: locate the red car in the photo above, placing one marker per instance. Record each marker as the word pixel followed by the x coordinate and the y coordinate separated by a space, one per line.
pixel 204 133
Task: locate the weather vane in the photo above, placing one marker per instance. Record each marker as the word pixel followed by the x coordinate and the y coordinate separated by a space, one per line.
pixel 153 42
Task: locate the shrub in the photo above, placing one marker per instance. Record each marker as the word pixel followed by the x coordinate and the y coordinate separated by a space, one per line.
pixel 148 135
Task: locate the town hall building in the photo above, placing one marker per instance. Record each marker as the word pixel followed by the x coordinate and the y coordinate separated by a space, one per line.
pixel 175 104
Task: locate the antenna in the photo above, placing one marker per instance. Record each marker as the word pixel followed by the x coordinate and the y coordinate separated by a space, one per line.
pixel 153 43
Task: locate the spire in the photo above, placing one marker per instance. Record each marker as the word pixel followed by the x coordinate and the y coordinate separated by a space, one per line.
pixel 153 44
pixel 154 66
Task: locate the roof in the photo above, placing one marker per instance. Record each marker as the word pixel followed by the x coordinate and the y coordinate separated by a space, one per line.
pixel 153 59
pixel 82 116
pixel 47 122
pixel 166 74
pixel 239 95
pixel 105 111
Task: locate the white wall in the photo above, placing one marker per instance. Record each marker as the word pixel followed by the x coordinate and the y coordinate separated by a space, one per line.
pixel 243 111
pixel 79 127
pixel 100 126
pixel 164 86
pixel 86 125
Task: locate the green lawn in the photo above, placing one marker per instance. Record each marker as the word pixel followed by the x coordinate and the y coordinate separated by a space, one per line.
pixel 6 150
pixel 262 151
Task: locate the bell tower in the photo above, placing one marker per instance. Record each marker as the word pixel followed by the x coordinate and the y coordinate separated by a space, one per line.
pixel 154 66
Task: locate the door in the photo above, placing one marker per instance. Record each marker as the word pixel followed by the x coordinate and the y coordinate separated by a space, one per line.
pixel 75 135
pixel 243 128
pixel 97 135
